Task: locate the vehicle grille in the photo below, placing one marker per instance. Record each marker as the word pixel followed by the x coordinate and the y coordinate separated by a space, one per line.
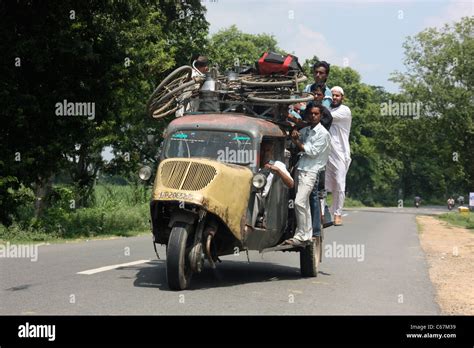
pixel 184 175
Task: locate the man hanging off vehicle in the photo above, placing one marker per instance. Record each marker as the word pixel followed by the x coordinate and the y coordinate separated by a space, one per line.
pixel 340 155
pixel 321 74
pixel 314 142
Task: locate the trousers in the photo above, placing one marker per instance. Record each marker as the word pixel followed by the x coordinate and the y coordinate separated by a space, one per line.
pixel 305 182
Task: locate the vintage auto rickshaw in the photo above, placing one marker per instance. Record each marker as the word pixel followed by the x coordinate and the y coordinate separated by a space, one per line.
pixel 209 173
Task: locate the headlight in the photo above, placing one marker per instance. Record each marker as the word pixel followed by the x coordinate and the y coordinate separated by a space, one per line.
pixel 144 173
pixel 259 180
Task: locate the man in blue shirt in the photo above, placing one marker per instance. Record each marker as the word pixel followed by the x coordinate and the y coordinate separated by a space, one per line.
pixel 320 74
pixel 296 112
pixel 318 90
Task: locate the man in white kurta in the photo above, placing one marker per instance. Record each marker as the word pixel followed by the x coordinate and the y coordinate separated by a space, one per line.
pixel 340 155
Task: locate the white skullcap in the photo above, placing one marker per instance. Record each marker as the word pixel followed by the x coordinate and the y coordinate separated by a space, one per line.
pixel 337 89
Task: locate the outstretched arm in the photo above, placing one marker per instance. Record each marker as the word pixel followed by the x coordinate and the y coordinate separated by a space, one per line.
pixel 287 180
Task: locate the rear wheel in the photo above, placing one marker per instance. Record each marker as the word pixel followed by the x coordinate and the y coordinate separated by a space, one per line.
pixel 310 257
pixel 321 239
pixel 178 270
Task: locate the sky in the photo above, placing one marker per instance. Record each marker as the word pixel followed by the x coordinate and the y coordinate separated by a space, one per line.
pixel 366 35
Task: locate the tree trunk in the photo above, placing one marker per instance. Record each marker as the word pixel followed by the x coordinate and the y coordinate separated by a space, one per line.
pixel 43 187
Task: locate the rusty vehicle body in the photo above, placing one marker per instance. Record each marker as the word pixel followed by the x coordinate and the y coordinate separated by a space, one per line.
pixel 202 202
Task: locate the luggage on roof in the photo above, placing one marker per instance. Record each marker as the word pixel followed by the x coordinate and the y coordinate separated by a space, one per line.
pixel 273 63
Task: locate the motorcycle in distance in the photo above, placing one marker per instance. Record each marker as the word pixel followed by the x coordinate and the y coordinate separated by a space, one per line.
pixel 417 201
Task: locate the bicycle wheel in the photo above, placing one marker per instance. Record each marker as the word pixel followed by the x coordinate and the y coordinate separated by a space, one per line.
pixel 191 87
pixel 272 81
pixel 183 92
pixel 173 80
pixel 157 115
pixel 275 98
pixel 177 78
pixel 165 110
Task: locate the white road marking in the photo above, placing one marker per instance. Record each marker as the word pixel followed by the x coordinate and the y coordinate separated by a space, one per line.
pixel 108 268
pixel 345 214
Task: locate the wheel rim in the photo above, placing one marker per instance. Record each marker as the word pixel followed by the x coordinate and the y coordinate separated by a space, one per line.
pixel 175 79
pixel 272 81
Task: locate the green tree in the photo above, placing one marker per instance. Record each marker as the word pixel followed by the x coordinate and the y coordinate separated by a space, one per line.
pixel 135 138
pixel 110 54
pixel 308 67
pixel 231 47
pixel 440 75
pixel 375 171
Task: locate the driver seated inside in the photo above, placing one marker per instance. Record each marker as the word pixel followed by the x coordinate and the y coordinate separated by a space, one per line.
pixel 275 168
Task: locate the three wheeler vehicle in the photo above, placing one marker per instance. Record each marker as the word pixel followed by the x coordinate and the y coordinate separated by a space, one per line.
pixel 210 171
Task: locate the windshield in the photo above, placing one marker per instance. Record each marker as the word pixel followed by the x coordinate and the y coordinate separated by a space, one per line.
pixel 230 147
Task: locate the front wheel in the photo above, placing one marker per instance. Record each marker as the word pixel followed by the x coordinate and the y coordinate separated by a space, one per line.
pixel 178 270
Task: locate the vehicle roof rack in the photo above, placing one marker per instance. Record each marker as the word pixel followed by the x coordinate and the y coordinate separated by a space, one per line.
pixel 263 96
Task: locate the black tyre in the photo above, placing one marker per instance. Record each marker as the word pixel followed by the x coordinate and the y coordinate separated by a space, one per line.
pixel 178 270
pixel 320 242
pixel 309 259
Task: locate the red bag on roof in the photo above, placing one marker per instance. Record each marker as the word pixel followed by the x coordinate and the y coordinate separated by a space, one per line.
pixel 273 63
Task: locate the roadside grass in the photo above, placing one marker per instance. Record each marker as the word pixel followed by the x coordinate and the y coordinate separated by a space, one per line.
pixel 419 226
pixel 348 202
pixel 118 211
pixel 353 203
pixel 458 219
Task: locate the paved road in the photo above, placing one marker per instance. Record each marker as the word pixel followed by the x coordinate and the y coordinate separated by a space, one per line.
pixel 377 267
